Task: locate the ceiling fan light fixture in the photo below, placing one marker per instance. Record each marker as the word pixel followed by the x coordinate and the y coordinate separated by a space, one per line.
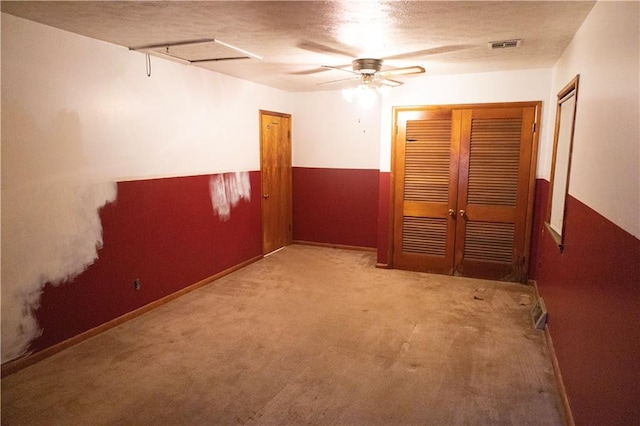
pixel 366 95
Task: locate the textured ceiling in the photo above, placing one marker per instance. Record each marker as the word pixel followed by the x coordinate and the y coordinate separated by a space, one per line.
pixel 294 38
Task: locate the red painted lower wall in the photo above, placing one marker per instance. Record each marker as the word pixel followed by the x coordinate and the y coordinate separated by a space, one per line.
pixel 335 206
pixel 592 293
pixel 165 233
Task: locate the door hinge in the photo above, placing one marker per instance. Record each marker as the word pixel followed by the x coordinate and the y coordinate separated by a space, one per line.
pixel 533 128
pixel 289 134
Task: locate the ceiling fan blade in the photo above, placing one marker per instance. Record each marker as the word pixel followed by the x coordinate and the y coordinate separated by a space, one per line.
pixel 312 46
pixel 338 81
pixel 431 51
pixel 402 71
pixel 308 72
pixel 340 69
pixel 390 83
pixel 322 68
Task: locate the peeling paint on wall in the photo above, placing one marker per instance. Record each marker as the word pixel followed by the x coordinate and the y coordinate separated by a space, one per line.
pixel 227 190
pixel 50 234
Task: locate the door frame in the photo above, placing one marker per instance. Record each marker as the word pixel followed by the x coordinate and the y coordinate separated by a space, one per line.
pixel 532 171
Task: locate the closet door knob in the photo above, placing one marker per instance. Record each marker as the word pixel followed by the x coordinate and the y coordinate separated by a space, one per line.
pixel 265 196
pixel 452 213
pixel 462 213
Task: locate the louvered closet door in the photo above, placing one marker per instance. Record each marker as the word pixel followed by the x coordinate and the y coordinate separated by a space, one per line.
pixel 463 187
pixel 495 164
pixel 425 189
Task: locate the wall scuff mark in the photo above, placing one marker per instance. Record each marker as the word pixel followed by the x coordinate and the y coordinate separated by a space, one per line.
pixel 51 233
pixel 227 190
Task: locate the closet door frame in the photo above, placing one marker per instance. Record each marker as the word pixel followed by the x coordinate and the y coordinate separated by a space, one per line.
pixel 530 186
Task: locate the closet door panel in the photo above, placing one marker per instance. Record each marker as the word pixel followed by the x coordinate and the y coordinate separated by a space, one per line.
pixel 426 175
pixel 493 192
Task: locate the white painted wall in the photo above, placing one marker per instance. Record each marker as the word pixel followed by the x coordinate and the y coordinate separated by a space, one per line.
pixel 329 132
pixel 79 115
pixel 180 121
pixel 508 86
pixel 605 168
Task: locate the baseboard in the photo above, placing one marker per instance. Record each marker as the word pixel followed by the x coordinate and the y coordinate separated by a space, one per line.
pixel 338 246
pixel 16 365
pixel 556 368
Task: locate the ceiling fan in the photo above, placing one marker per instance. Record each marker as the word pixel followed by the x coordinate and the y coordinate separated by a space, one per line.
pixel 368 71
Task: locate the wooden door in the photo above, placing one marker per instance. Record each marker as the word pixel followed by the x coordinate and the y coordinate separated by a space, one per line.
pixel 275 167
pixel 463 181
pixel 426 175
pixel 494 184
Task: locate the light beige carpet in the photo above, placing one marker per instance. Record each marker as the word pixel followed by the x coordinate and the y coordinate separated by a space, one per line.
pixel 308 335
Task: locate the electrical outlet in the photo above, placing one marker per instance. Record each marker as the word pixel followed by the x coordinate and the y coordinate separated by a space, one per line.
pixel 136 284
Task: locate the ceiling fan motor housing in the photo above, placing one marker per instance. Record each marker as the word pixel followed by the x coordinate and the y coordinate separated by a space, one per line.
pixel 367 65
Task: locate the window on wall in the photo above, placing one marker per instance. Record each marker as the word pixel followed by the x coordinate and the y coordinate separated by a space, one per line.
pixel 561 162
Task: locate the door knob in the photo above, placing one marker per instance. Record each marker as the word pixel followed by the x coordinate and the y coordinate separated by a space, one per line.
pixel 265 196
pixel 452 213
pixel 462 213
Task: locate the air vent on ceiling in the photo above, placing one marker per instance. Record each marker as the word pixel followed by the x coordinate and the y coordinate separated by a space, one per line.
pixel 504 44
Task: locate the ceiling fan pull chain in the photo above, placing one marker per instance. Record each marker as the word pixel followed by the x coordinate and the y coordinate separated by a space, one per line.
pixel 148 60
